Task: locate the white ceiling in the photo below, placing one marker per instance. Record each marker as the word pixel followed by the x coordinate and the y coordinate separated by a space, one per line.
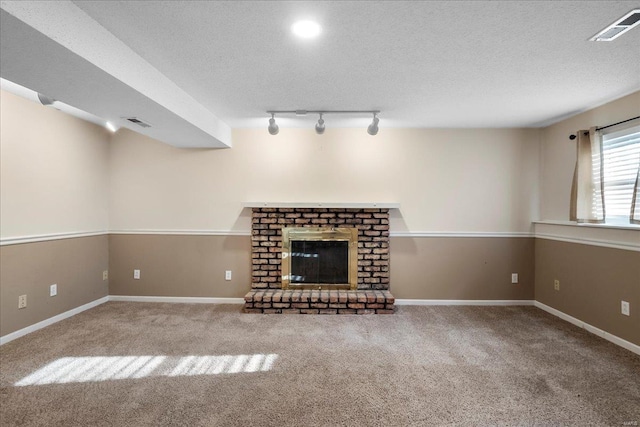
pixel 424 64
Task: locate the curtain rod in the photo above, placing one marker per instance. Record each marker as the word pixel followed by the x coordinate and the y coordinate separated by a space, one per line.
pixel 572 137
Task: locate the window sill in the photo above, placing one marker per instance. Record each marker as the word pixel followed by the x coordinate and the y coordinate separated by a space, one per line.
pixel 620 236
pixel 589 225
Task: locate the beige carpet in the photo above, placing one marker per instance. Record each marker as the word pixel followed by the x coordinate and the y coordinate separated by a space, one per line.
pixel 139 364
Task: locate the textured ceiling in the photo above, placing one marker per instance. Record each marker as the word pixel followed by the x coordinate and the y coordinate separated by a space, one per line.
pixel 194 68
pixel 424 64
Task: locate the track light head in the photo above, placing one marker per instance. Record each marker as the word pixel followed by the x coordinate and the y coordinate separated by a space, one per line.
pixel 373 127
pixel 273 127
pixel 320 125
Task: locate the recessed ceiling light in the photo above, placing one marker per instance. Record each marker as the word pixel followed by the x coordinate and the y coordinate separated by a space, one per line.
pixel 619 27
pixel 306 29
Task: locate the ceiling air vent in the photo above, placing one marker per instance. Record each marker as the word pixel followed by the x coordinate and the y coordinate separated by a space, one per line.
pixel 138 122
pixel 619 27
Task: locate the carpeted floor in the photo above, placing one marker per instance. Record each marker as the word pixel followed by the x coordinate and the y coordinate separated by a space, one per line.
pixel 139 364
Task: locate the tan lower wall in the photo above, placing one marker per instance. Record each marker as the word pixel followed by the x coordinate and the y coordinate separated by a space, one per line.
pixel 75 265
pixel 179 265
pixel 593 282
pixel 462 268
pixel 421 268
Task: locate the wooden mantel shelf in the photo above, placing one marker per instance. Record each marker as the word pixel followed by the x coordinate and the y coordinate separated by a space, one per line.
pixel 345 205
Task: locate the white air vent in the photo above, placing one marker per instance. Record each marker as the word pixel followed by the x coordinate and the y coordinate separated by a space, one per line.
pixel 619 27
pixel 138 122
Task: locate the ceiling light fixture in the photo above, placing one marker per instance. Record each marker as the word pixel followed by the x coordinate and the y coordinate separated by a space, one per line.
pixel 110 126
pixel 619 27
pixel 273 127
pixel 45 100
pixel 41 99
pixel 372 129
pixel 306 29
pixel 320 125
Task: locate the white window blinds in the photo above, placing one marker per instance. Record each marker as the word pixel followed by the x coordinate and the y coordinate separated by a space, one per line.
pixel 621 160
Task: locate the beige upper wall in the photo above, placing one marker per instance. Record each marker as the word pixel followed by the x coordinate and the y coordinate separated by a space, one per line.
pixel 482 180
pixel 53 171
pixel 55 174
pixel 559 153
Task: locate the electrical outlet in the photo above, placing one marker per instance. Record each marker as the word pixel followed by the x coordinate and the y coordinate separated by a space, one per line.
pixel 624 308
pixel 136 274
pixel 514 277
pixel 556 284
pixel 53 290
pixel 105 275
pixel 22 301
pixel 227 275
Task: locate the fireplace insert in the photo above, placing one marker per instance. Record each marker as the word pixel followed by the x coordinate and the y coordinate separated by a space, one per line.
pixel 319 258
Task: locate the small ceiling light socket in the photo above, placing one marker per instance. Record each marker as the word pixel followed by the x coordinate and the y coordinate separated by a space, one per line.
pixel 110 127
pixel 306 29
pixel 45 100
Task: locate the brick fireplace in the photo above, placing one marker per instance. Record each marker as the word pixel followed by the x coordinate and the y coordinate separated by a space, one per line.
pixel 372 294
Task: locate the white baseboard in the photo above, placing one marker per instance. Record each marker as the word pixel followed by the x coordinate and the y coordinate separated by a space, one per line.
pixel 185 300
pixel 596 331
pixel 50 321
pixel 462 302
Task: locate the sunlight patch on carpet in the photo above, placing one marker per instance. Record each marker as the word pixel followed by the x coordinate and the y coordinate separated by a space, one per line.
pixel 107 368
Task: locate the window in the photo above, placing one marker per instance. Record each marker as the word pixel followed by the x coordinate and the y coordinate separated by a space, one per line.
pixel 621 160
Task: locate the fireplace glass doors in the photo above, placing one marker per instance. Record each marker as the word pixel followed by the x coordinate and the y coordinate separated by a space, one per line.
pixel 319 258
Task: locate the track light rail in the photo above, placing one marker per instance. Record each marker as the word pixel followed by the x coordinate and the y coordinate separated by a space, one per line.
pixel 304 112
pixel 273 128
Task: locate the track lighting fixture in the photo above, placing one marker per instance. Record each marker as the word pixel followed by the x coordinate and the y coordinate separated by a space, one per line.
pixel 372 129
pixel 320 125
pixel 273 127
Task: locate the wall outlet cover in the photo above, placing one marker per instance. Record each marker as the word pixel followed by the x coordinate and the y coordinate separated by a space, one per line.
pixel 227 275
pixel 556 284
pixel 22 301
pixel 624 308
pixel 53 290
pixel 136 274
pixel 514 277
pixel 105 275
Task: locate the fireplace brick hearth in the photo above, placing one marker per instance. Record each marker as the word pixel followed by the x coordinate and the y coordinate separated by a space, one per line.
pixel 372 294
pixel 319 302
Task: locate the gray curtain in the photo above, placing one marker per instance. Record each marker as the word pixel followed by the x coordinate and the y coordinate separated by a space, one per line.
pixel 587 190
